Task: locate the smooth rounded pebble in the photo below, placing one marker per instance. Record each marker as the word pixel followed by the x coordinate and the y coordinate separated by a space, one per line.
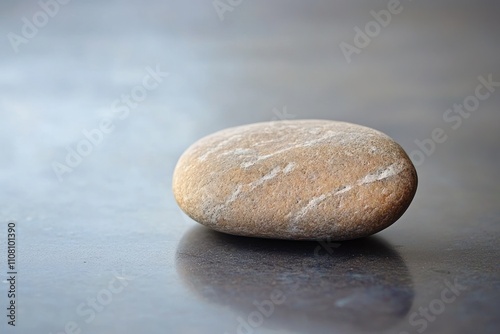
pixel 299 180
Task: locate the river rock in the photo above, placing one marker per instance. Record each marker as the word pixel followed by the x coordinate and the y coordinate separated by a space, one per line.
pixel 299 180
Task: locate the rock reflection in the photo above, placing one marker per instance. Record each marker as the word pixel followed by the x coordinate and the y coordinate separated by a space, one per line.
pixel 361 284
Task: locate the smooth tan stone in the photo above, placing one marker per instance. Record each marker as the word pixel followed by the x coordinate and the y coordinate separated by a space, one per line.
pixel 303 179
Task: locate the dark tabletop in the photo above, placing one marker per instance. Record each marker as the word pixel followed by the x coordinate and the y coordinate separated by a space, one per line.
pixel 91 127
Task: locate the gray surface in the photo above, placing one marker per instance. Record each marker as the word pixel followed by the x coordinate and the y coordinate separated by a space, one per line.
pixel 114 215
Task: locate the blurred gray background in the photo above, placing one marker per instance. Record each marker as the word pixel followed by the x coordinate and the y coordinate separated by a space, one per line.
pixel 108 218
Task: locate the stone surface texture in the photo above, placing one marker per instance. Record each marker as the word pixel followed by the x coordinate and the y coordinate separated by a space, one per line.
pixel 300 180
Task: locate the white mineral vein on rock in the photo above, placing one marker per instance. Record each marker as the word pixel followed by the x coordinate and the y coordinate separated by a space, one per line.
pixel 349 136
pixel 218 147
pixel 252 185
pixel 393 169
pixel 389 171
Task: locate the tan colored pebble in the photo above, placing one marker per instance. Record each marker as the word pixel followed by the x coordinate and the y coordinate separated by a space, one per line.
pixel 301 180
